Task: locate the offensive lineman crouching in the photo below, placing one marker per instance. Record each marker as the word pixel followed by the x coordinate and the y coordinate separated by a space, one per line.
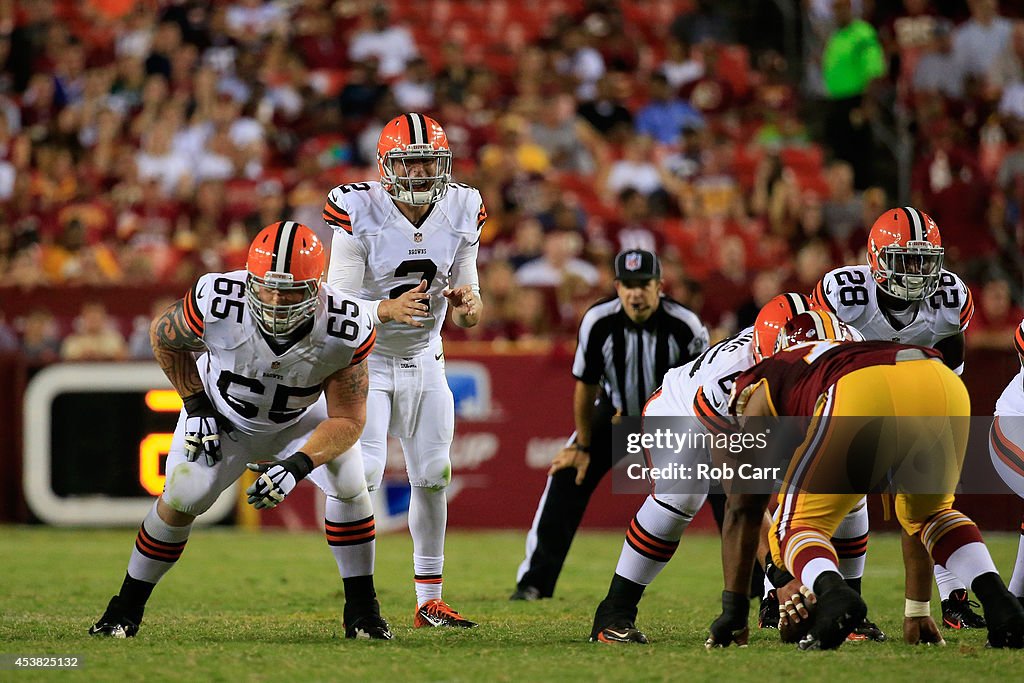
pixel 281 375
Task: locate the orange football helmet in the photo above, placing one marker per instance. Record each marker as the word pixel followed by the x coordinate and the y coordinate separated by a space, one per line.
pixel 285 264
pixel 414 159
pixel 773 316
pixel 905 253
pixel 814 326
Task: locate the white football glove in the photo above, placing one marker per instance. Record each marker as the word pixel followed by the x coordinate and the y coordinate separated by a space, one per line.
pixel 202 429
pixel 277 479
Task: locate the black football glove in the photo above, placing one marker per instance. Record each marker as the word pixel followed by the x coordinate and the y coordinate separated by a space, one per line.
pixel 731 625
pixel 277 479
pixel 203 426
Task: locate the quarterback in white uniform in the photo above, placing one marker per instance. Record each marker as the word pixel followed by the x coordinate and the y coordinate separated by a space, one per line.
pixel 700 390
pixel 903 295
pixel 1006 448
pixel 281 379
pixel 409 243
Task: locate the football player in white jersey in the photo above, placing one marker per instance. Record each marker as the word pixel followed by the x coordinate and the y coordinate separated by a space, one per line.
pixel 903 295
pixel 409 243
pixel 270 364
pixel 699 390
pixel 1006 448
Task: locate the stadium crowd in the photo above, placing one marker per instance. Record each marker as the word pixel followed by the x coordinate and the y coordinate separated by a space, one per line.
pixel 148 141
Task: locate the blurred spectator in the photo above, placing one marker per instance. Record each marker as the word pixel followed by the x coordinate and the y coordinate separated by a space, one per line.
pixel 606 112
pixel 978 41
pixel 391 45
pixel 665 116
pixel 852 60
pixel 570 142
pixel 636 169
pixel 636 229
pixel 414 90
pixel 8 339
pixel 71 260
pixel 139 347
pixel 95 337
pixel 250 21
pixel 705 23
pixel 40 341
pixel 679 67
pixel 811 262
pixel 579 61
pixel 728 287
pixel 938 69
pixel 766 285
pixel 160 161
pixel 1008 67
pixel 996 318
pixel 557 263
pixel 273 207
pixel 843 209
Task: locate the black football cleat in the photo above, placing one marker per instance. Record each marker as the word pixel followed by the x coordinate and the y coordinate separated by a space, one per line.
pixel 768 615
pixel 366 623
pixel 619 632
pixel 867 630
pixel 118 621
pixel 837 613
pixel 526 593
pixel 957 612
pixel 1005 623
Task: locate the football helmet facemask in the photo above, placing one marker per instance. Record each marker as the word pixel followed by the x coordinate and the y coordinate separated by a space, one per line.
pixel 815 326
pixel 905 253
pixel 285 264
pixel 773 316
pixel 414 159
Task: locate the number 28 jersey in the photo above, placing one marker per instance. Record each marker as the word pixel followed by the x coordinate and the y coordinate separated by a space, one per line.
pixel 852 295
pixel 397 254
pixel 258 390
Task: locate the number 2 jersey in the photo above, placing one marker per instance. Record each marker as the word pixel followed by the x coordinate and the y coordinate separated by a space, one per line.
pixel 851 293
pixel 378 254
pixel 701 388
pixel 258 390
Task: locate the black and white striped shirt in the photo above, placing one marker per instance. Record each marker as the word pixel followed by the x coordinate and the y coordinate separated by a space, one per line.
pixel 630 360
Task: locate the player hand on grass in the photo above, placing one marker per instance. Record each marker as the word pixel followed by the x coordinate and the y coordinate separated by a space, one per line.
pixel 731 625
pixel 921 630
pixel 571 457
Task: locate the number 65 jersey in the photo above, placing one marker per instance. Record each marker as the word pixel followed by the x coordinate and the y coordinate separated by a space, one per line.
pixel 852 295
pixel 258 390
pixel 378 254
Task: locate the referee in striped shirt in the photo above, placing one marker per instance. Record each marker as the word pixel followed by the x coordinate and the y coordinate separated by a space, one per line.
pixel 626 345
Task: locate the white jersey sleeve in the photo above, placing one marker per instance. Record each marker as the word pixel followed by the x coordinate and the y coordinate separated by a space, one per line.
pixel 1011 401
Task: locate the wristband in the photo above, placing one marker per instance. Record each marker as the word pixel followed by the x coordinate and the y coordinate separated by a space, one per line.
pixel 198 404
pixel 373 311
pixel 735 604
pixel 917 608
pixel 299 464
pixel 582 449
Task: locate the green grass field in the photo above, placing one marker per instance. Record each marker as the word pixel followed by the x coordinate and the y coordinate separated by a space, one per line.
pixel 267 607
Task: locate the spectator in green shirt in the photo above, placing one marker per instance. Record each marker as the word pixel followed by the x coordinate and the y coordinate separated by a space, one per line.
pixel 852 59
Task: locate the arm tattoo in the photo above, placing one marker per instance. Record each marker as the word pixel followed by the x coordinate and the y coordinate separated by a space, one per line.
pixel 173 344
pixel 353 384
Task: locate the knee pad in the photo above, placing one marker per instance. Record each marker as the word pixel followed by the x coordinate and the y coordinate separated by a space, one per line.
pixel 187 491
pixel 435 474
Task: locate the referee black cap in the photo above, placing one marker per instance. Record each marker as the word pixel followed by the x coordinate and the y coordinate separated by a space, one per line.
pixel 637 264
